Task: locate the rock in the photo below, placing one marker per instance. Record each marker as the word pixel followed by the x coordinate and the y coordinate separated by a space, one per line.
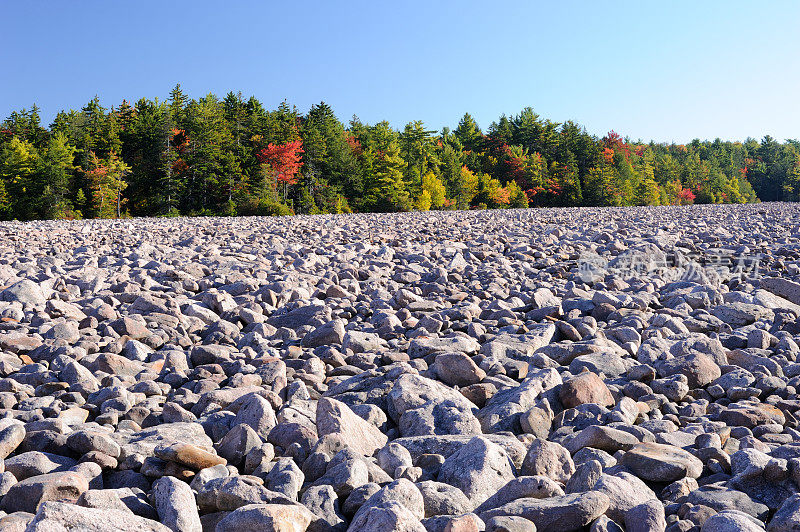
pixel 84 441
pixel 26 292
pixel 386 362
pixel 256 412
pixel 646 517
pixel 509 523
pixel 228 494
pixel 26 495
pixel 535 487
pixel 740 314
pixel 504 409
pixel 414 391
pixel 586 476
pixel 189 455
pixel 285 477
pixel 361 342
pixel 32 463
pixel 750 416
pixel 324 504
pixel 604 438
pixel 421 347
pixel 391 516
pixel 783 288
pixel 237 443
pixel 548 459
pixel 457 369
pixel 335 417
pixel 266 518
pixel 787 517
pixel 10 438
pixel 400 491
pixel 699 369
pixel 554 514
pixel 479 469
pixel 585 388
pixel 656 462
pixel 721 498
pixel 175 504
pixel 63 516
pixel 624 491
pixel 731 521
pixel 327 334
pixel 392 456
pixel 443 499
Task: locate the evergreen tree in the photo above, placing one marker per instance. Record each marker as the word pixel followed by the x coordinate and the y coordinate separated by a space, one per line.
pixel 51 182
pixel 469 133
pixel 386 189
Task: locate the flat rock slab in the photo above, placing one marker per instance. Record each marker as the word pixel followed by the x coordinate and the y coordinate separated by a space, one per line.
pixel 656 462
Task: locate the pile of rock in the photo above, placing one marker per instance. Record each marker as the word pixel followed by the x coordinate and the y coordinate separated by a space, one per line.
pixel 453 371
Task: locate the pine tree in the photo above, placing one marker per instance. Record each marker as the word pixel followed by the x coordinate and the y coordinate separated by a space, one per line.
pixel 469 133
pixel 386 188
pixel 52 179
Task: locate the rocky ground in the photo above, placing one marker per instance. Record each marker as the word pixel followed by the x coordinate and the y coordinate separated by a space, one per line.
pixel 575 369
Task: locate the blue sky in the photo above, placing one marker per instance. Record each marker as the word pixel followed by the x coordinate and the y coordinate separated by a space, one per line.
pixel 670 71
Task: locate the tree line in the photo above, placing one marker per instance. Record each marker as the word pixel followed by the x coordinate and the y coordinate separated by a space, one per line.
pixel 232 156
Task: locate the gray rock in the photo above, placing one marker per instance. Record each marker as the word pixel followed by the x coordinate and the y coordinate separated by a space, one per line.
pixel 324 504
pixel 443 499
pixel 34 463
pixel 548 459
pixel 731 521
pixel 237 443
pixel 646 517
pixel 457 369
pixel 479 469
pixel 624 491
pixel 391 516
pixel 257 413
pixel 335 417
pixel 661 463
pixel 175 504
pixel 400 491
pixel 266 517
pixel 554 514
pixel 26 495
pixel 535 487
pixel 63 516
pixel 10 438
pixel 26 292
pixel 285 477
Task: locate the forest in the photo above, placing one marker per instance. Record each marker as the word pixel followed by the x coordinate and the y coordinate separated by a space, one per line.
pixel 232 156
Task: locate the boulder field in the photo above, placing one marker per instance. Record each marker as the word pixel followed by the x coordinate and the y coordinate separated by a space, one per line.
pixel 597 369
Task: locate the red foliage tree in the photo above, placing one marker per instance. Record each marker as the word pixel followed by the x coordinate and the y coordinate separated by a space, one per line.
pixel 284 159
pixel 616 144
pixel 686 196
pixel 354 143
pixel 516 167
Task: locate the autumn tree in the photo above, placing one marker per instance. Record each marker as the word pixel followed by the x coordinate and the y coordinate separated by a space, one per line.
pixel 107 183
pixel 284 162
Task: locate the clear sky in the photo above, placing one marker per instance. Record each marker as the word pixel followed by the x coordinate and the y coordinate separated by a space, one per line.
pixel 668 71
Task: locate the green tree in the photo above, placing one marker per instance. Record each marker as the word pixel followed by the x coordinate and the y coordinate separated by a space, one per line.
pixel 386 189
pixel 52 179
pixel 469 133
pixel 18 164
